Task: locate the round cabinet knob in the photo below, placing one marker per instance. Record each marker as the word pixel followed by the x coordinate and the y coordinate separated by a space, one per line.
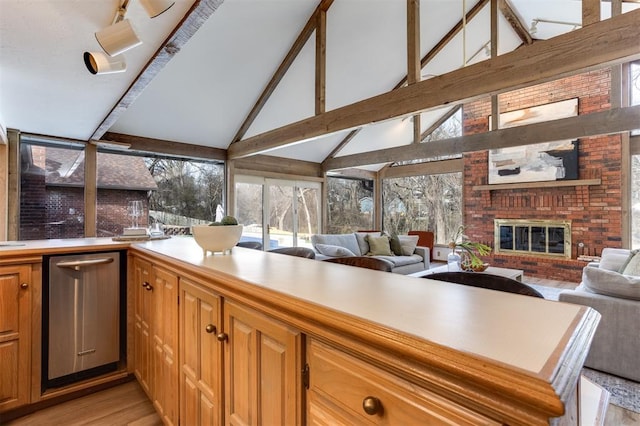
pixel 145 284
pixel 223 337
pixel 210 328
pixel 148 287
pixel 24 286
pixel 372 405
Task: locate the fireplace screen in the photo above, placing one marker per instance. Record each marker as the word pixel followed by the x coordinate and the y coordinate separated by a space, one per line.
pixel 540 237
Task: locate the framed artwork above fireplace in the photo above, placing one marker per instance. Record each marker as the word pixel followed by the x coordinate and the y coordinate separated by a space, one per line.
pixel 548 161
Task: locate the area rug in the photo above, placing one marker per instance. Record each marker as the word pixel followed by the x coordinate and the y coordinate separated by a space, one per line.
pixel 624 393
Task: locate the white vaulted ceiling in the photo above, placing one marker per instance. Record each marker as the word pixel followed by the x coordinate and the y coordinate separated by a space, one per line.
pixel 204 93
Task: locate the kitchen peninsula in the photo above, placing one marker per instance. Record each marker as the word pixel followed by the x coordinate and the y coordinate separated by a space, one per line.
pixel 293 341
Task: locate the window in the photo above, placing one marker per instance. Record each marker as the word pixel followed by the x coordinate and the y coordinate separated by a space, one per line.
pixel 423 203
pixel 634 87
pixel 349 205
pixel 51 189
pixel 175 192
pixel 285 213
pixel 635 201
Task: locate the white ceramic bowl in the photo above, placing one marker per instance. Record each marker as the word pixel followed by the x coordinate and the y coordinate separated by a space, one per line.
pixel 217 238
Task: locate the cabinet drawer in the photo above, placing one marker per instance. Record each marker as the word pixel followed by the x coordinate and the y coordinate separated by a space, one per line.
pixel 340 386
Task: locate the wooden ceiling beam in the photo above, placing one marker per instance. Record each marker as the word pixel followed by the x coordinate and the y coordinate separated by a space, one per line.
pixel 414 70
pixel 282 69
pixel 590 12
pixel 514 21
pixel 143 144
pixel 321 61
pixel 188 26
pixel 598 123
pixel 598 45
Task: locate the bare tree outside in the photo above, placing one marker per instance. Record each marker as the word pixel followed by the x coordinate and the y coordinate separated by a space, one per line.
pixel 423 203
pixel 189 191
pixel 429 202
pixel 350 205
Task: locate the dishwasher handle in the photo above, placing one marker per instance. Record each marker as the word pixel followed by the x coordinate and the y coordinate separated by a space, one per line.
pixel 77 264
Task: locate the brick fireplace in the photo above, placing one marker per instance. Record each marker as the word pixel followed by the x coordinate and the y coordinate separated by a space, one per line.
pixel 594 211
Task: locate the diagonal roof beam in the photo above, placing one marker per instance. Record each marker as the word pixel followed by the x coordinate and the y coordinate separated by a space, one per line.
pixel 598 45
pixel 423 62
pixel 295 49
pixel 514 20
pixel 190 23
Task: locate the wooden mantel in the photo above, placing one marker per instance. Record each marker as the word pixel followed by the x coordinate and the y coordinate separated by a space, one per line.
pixel 527 185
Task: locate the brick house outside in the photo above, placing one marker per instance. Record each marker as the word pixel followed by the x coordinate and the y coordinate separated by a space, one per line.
pixel 52 192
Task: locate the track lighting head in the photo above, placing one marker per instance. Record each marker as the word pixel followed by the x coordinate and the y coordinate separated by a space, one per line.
pixel 156 7
pixel 118 38
pixel 99 63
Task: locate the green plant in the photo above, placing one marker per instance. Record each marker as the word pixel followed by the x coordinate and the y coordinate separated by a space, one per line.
pixel 472 249
pixel 225 221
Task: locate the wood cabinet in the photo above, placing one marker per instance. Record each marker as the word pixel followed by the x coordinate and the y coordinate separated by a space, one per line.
pixel 142 323
pixel 263 369
pixel 165 344
pixel 156 336
pixel 15 335
pixel 257 358
pixel 200 355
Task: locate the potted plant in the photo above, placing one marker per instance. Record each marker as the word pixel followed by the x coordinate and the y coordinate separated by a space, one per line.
pixel 469 257
pixel 218 236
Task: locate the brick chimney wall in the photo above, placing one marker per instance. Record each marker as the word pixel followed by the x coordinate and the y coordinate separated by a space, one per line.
pixel 594 211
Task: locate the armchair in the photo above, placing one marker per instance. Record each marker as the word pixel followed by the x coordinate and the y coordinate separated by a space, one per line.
pixel 616 347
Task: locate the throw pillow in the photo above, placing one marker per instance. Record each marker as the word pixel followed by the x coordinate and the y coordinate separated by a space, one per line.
pixel 361 237
pixel 333 251
pixel 632 253
pixel 394 244
pixel 611 283
pixel 379 246
pixel 408 244
pixel 613 258
pixel 632 266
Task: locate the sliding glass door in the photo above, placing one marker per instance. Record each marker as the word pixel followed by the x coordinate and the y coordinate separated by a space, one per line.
pixel 279 213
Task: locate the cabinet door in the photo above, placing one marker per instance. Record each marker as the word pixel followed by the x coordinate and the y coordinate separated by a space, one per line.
pixel 142 323
pixel 263 378
pixel 165 338
pixel 15 335
pixel 200 355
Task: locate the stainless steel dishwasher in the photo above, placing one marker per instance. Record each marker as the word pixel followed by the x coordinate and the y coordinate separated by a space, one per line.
pixel 82 328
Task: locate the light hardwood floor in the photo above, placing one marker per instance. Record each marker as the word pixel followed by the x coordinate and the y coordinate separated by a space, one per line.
pixel 125 404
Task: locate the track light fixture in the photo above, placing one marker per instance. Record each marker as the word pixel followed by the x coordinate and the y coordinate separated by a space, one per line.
pixel 119 37
pixel 99 63
pixel 156 7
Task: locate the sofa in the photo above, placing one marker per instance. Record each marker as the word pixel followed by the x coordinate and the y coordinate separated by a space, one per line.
pixel 402 251
pixel 612 287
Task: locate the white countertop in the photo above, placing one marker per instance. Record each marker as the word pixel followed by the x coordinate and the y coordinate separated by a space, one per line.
pixel 523 332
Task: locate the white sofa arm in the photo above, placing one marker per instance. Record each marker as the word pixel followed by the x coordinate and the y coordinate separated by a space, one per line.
pixel 423 252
